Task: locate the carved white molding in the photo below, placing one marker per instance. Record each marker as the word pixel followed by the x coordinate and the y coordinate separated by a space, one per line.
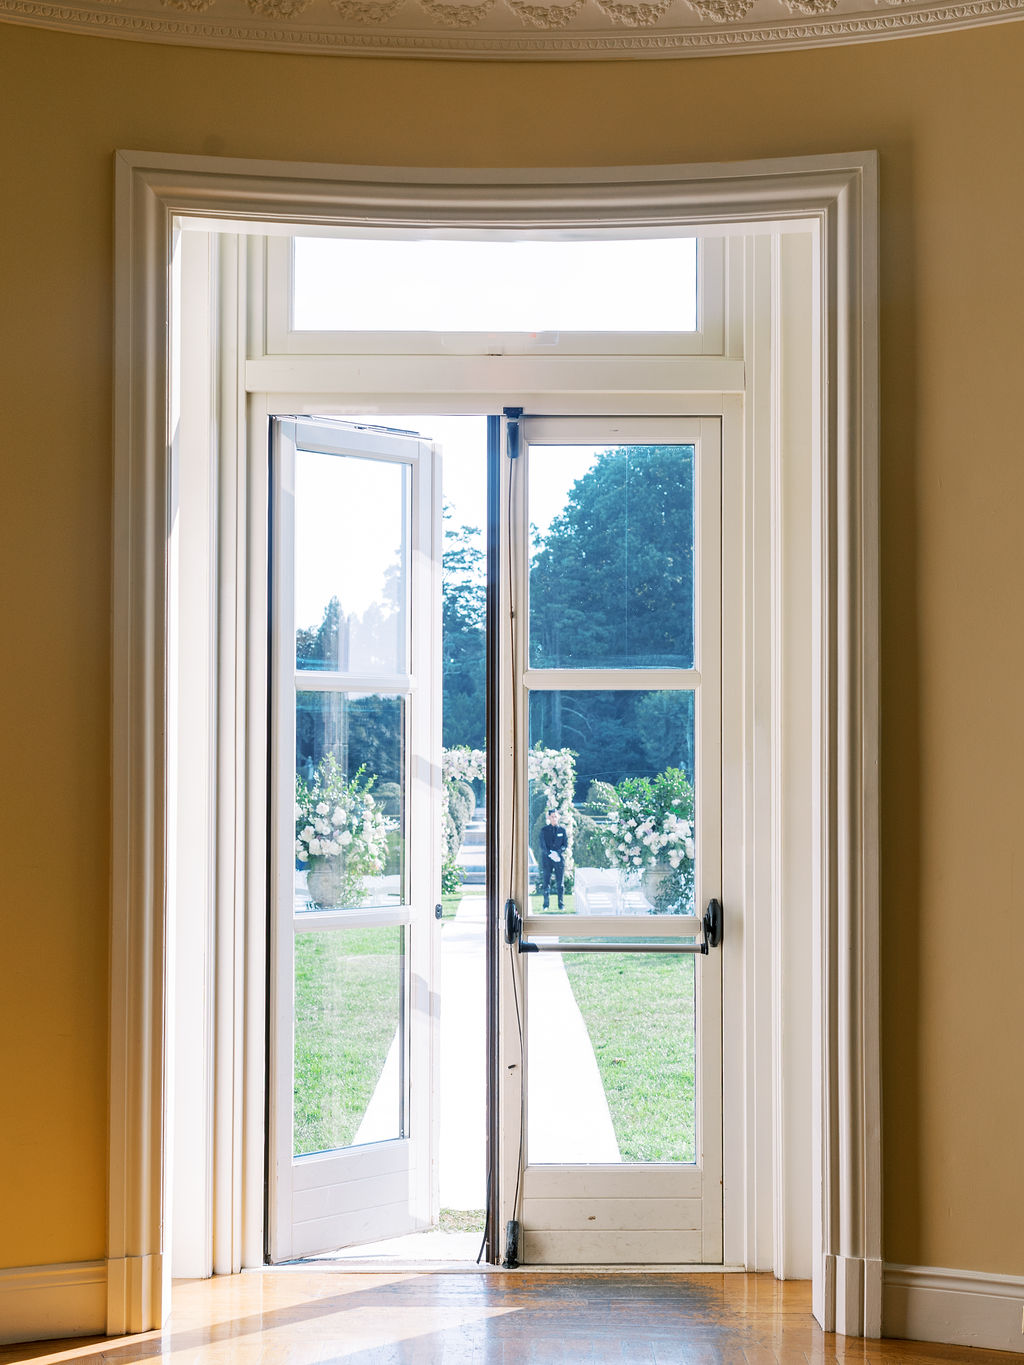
pixel 516 29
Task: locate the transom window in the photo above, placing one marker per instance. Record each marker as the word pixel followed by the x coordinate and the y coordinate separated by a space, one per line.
pixel 495 295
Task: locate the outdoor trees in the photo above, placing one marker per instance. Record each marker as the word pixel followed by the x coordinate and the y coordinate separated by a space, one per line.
pixel 463 598
pixel 611 585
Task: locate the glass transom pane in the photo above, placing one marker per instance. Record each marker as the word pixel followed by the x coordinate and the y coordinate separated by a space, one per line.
pixel 611 556
pixel 360 284
pixel 351 568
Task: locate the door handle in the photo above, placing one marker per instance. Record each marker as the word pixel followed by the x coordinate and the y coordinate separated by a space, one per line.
pixel 711 924
pixel 438 911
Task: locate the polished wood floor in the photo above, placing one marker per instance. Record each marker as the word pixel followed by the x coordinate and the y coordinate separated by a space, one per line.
pixel 525 1318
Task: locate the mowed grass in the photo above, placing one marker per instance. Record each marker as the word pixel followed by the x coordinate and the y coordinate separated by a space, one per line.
pixel 346 1014
pixel 638 1009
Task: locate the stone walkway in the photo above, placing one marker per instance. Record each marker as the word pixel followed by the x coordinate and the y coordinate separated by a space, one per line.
pixel 569 1121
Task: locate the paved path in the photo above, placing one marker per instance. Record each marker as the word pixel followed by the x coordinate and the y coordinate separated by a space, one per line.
pixel 569 1122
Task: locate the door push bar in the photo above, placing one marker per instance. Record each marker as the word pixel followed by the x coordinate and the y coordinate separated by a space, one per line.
pixel 711 925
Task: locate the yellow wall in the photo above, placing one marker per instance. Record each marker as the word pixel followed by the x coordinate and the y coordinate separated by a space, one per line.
pixel 946 115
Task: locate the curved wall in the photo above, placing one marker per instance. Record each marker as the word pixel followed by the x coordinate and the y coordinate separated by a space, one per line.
pixel 945 113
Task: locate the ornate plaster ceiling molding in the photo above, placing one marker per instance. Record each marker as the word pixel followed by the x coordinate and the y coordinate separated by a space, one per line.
pixel 513 29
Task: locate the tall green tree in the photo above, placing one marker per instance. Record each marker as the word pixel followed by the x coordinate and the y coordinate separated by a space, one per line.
pixel 464 654
pixel 611 585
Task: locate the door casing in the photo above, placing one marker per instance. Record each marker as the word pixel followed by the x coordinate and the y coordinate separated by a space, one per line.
pixel 837 197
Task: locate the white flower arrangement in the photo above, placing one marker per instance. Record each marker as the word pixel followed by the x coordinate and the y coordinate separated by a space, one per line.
pixel 552 771
pixel 651 827
pixel 637 843
pixel 463 764
pixel 337 820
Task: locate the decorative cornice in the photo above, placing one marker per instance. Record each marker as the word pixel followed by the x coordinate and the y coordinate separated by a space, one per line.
pixel 516 29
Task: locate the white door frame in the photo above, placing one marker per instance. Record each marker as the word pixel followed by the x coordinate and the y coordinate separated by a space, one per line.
pixel 838 194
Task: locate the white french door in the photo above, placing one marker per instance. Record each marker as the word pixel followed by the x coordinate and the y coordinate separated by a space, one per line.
pixel 356 867
pixel 611 1128
pixel 609 1032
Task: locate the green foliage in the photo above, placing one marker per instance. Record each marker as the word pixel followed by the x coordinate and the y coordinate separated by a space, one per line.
pixel 317 647
pixel 389 798
pixel 665 729
pixel 451 877
pixel 346 1014
pixel 590 850
pixel 611 584
pixel 639 1015
pixel 393 859
pixel 339 826
pixel 601 799
pixel 652 828
pixel 462 802
pixel 463 606
pixel 452 842
pixel 459 803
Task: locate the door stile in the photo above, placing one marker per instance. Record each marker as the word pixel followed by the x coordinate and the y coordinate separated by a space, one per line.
pixel 397 1175
pixel 512 820
pixel 708 555
pixel 697 1190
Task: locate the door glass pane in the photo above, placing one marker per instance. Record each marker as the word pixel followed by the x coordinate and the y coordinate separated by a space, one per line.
pixel 612 1072
pixel 611 556
pixel 349 1072
pixel 351 569
pixel 617 769
pixel 350 808
pixel 357 284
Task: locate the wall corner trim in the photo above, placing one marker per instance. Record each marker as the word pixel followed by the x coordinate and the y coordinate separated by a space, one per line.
pixel 38 1302
pixel 963 1307
pixel 134 1300
pixel 858 1281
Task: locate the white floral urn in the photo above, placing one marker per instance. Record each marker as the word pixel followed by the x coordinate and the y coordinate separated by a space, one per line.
pixel 329 884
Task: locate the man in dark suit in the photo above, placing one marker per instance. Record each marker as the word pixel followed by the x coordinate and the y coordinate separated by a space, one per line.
pixel 553 843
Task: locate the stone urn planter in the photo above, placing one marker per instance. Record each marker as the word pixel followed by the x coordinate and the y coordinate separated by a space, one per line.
pixel 329 887
pixel 654 884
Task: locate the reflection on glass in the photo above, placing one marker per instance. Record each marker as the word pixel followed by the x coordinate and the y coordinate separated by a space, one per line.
pixel 349 800
pixel 351 570
pixel 495 286
pixel 611 1074
pixel 617 768
pixel 611 556
pixel 349 1021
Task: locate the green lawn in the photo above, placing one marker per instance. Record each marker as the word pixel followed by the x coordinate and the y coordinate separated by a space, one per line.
pixel 638 1010
pixel 537 905
pixel 346 1015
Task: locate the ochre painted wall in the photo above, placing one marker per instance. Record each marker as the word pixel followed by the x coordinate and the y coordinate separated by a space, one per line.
pixel 947 115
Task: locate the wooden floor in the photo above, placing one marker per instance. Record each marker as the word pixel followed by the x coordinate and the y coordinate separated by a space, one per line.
pixel 529 1318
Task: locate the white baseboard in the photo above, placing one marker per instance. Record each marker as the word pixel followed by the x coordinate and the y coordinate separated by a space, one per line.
pixel 962 1307
pixel 38 1302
